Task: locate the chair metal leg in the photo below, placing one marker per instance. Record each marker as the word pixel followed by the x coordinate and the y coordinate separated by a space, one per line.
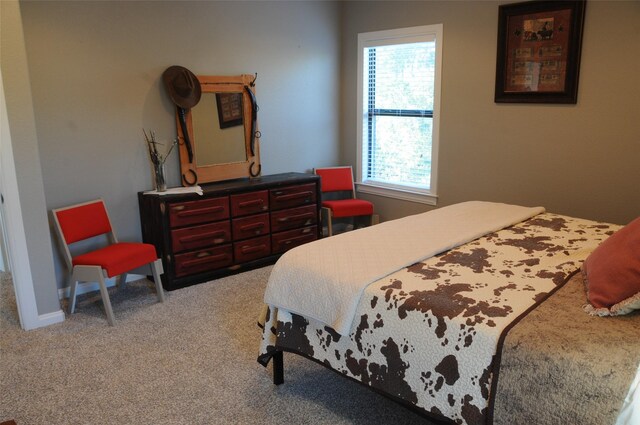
pixel 106 301
pixel 329 223
pixel 156 267
pixel 121 279
pixel 72 294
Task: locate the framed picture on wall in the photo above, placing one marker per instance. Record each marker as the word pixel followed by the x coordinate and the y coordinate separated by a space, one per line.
pixel 539 45
pixel 229 109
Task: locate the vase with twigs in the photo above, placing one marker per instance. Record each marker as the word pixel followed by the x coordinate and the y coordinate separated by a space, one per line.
pixel 158 158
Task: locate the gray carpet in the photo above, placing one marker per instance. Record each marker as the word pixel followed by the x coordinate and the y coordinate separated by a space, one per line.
pixel 190 360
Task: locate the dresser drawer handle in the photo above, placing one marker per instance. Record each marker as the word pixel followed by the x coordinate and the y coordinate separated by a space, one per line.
pixel 201 211
pixel 248 227
pixel 195 238
pixel 296 195
pixel 250 249
pixel 295 217
pixel 248 204
pixel 292 240
pixel 204 258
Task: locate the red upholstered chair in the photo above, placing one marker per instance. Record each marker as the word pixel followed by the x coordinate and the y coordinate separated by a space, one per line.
pixel 90 219
pixel 339 180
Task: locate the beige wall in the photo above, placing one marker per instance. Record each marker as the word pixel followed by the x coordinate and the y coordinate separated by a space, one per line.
pixel 581 160
pixel 96 71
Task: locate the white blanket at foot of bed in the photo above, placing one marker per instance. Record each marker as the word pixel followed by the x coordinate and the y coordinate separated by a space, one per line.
pixel 325 279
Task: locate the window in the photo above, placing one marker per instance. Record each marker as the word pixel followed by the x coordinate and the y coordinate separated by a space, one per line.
pixel 398 110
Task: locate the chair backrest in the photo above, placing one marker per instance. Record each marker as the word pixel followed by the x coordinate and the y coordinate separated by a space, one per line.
pixel 78 222
pixel 336 179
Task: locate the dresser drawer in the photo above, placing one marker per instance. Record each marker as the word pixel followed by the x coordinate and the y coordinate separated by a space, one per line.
pixel 252 249
pixel 235 225
pixel 249 203
pixel 284 241
pixel 294 217
pixel 201 236
pixel 250 227
pixel 203 260
pixel 196 212
pixel 292 196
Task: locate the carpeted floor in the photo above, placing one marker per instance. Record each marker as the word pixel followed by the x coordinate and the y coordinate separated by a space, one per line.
pixel 190 360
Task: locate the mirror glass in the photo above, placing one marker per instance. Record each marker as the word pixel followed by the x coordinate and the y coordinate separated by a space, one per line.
pixel 218 129
pixel 223 137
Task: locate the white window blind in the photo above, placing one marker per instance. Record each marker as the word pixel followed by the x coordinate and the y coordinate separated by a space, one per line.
pixel 397 103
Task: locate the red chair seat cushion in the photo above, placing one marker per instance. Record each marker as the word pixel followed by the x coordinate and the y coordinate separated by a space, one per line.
pixel 349 207
pixel 118 258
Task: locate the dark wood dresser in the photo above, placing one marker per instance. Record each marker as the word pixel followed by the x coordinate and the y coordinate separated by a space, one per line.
pixel 236 225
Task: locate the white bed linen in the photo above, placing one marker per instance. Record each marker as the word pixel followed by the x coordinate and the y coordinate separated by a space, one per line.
pixel 630 412
pixel 325 279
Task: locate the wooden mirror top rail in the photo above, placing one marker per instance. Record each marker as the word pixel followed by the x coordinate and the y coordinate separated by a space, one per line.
pixel 197 172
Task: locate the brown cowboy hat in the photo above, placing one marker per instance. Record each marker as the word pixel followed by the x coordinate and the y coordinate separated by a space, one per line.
pixel 183 87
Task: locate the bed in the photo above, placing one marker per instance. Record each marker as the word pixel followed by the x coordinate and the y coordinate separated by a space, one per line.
pixel 471 314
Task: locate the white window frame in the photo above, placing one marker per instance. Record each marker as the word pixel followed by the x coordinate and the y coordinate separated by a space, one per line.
pixel 399 36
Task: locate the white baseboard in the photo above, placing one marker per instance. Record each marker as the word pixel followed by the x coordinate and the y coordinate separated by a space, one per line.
pixel 49 319
pixel 84 287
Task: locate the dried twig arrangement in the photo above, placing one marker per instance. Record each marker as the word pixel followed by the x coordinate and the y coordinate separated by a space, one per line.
pixel 157 158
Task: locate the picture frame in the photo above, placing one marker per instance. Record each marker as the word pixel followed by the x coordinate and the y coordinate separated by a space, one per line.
pixel 539 48
pixel 229 109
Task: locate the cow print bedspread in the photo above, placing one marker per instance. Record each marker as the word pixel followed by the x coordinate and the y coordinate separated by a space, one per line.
pixel 429 333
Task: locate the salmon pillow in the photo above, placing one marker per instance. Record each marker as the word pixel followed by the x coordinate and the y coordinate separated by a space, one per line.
pixel 612 273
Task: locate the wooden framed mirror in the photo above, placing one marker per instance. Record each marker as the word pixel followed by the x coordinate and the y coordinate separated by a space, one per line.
pixel 223 132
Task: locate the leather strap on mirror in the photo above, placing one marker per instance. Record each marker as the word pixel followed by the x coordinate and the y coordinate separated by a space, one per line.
pixel 183 125
pixel 195 178
pixel 257 173
pixel 254 118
